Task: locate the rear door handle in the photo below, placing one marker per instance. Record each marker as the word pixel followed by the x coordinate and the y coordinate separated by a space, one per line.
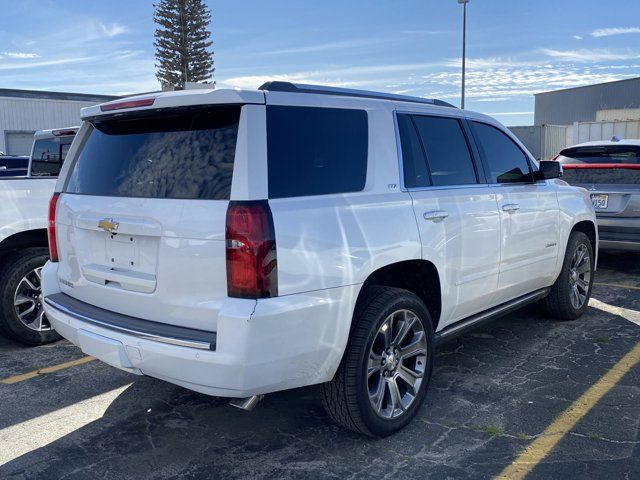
pixel 435 215
pixel 511 207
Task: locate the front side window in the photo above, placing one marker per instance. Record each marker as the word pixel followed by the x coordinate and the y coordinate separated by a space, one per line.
pixel 316 151
pixel 507 163
pixel 187 154
pixel 447 151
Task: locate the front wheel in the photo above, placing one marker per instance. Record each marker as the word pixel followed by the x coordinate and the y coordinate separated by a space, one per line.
pixel 22 315
pixel 382 379
pixel 570 293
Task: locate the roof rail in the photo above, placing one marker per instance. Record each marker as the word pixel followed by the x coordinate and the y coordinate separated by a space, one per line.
pixel 276 86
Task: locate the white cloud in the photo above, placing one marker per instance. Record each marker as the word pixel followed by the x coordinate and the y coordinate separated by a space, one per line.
pixel 20 55
pixel 607 32
pixel 498 114
pixel 322 47
pixel 577 37
pixel 489 62
pixel 585 55
pixel 44 63
pixel 111 30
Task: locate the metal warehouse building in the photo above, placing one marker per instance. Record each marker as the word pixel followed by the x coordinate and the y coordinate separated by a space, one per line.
pixel 610 101
pixel 22 112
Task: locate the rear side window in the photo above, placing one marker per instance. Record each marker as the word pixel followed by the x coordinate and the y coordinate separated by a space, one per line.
pixel 316 151
pixel 447 151
pixel 48 155
pixel 414 165
pixel 601 154
pixel 507 163
pixel 186 154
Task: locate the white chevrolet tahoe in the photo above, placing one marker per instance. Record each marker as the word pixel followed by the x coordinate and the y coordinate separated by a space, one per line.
pixel 23 238
pixel 243 242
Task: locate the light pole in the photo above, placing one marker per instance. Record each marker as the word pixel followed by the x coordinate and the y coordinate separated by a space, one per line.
pixel 464 44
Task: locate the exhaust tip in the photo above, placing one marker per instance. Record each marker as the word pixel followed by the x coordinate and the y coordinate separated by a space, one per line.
pixel 247 404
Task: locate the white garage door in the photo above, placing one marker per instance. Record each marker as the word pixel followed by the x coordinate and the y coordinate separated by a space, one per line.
pixel 19 143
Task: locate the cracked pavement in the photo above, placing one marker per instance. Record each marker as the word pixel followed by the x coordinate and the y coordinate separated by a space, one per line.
pixel 493 391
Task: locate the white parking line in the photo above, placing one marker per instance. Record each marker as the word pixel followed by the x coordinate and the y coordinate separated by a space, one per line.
pixel 626 313
pixel 38 432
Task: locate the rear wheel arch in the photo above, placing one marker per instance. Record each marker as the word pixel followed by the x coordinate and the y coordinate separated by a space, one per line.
pixel 419 277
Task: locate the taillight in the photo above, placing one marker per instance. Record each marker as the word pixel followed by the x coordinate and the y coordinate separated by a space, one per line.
pixel 144 102
pixel 51 228
pixel 251 250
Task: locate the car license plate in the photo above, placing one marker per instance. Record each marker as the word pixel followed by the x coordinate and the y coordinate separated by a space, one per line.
pixel 600 201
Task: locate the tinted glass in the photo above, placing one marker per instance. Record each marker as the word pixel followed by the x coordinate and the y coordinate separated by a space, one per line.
pixel 185 154
pixel 507 163
pixel 606 175
pixel 414 165
pixel 601 154
pixel 49 154
pixel 447 151
pixel 316 151
pixel 13 166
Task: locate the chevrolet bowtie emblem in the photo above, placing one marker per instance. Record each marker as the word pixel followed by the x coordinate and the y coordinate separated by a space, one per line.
pixel 108 225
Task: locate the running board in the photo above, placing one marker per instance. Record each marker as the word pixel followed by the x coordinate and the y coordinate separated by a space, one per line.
pixel 470 323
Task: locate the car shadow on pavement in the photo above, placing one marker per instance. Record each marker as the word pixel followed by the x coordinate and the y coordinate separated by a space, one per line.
pixel 492 391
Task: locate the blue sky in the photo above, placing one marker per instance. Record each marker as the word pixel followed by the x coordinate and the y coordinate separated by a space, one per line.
pixel 514 49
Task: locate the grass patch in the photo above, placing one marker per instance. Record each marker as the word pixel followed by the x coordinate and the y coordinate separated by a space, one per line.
pixel 493 430
pixel 602 340
pixel 594 436
pixel 522 436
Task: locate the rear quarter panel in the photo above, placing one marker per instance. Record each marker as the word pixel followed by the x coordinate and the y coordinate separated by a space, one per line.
pixel 329 241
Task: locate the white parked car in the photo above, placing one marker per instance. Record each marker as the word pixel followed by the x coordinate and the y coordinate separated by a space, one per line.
pixel 23 238
pixel 243 242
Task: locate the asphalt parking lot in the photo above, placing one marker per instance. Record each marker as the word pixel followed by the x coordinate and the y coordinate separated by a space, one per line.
pixel 495 393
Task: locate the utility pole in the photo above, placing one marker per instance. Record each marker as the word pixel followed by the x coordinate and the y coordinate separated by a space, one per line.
pixel 464 45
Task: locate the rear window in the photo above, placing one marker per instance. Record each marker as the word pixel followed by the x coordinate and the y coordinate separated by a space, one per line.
pixel 48 155
pixel 447 151
pixel 185 154
pixel 316 151
pixel 594 176
pixel 601 154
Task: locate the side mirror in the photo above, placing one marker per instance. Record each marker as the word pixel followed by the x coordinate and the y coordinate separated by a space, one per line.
pixel 549 169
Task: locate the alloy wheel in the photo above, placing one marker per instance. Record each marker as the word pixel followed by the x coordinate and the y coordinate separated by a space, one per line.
pixel 27 302
pixel 396 364
pixel 579 276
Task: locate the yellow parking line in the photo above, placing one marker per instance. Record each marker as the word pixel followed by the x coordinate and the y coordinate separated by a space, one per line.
pixel 544 444
pixel 616 285
pixel 45 370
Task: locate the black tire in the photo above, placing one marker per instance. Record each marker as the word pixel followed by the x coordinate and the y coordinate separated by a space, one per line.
pixel 13 270
pixel 346 397
pixel 558 304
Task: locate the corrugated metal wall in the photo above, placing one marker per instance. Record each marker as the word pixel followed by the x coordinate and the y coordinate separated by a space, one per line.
pixel 29 115
pixel 588 131
pixel 563 107
pixel 530 137
pixel 615 114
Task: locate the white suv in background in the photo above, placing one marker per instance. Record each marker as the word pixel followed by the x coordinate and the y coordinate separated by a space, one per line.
pixel 23 238
pixel 243 242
